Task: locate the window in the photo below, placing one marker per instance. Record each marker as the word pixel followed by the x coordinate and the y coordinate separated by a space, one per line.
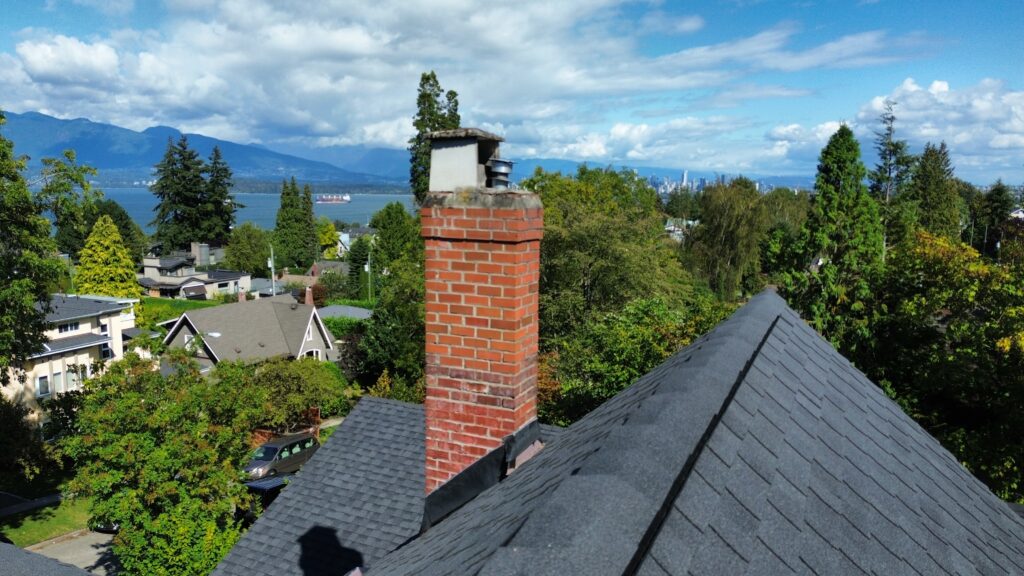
pixel 309 333
pixel 188 339
pixel 67 327
pixel 58 382
pixel 105 352
pixel 103 328
pixel 74 380
pixel 222 285
pixel 313 354
pixel 43 386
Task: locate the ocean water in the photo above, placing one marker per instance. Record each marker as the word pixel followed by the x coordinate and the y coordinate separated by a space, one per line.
pixel 261 209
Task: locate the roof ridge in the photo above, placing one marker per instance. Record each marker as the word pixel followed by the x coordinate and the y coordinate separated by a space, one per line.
pixel 651 534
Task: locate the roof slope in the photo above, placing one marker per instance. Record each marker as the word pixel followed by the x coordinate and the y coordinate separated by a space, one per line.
pixel 756 450
pixel 17 562
pixel 360 497
pixel 251 330
pixel 64 307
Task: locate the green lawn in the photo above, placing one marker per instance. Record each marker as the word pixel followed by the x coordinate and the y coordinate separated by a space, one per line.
pixel 160 309
pixel 45 523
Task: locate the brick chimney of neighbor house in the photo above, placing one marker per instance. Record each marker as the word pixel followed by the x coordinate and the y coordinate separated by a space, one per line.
pixel 482 275
pixel 309 296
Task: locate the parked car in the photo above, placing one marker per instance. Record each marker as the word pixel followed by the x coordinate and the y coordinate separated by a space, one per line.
pixel 282 455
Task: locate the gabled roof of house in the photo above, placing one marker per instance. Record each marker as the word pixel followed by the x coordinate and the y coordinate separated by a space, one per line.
pixel 17 562
pixel 344 311
pixel 77 342
pixel 357 499
pixel 254 330
pixel 64 307
pixel 756 450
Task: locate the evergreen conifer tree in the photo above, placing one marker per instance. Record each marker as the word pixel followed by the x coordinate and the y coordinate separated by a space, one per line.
pixel 890 179
pixel 180 190
pixel 218 215
pixel 435 110
pixel 106 267
pixel 842 247
pixel 998 204
pixel 935 190
pixel 295 240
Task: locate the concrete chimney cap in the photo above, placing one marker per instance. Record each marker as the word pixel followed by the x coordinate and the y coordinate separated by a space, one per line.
pixel 464 133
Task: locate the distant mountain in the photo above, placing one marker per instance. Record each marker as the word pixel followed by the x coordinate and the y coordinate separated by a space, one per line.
pixel 122 156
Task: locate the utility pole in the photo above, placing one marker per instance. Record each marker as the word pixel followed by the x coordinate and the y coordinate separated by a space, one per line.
pixel 273 273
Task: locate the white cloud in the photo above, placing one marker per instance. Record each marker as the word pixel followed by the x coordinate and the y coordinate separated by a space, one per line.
pixel 109 7
pixel 64 60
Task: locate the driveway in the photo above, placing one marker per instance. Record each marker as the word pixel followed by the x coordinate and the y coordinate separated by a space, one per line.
pixel 89 550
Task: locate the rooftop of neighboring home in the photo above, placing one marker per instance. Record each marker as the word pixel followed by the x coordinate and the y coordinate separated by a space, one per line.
pixel 343 311
pixel 253 330
pixel 65 307
pixel 18 562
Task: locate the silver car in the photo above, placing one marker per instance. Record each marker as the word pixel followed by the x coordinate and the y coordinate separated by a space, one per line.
pixel 282 455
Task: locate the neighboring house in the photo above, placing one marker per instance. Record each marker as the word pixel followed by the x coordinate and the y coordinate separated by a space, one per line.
pixel 321 266
pixel 342 311
pixel 1018 214
pixel 757 450
pixel 84 331
pixel 176 277
pixel 17 562
pixel 253 331
pixel 346 238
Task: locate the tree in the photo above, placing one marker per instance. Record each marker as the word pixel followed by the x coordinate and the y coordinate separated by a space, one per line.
pixel 132 235
pixel 435 110
pixel 217 214
pixel 683 204
pixel 162 457
pixel 291 387
pixel 180 190
pixel 295 238
pixel 972 202
pixel 841 248
pixel 25 456
pixel 248 250
pixel 28 265
pixel 787 212
pixel 397 234
pixel 327 238
pixel 70 198
pixel 603 246
pixel 357 256
pixel 726 244
pixel 106 267
pixel 891 177
pixel 395 334
pixel 997 207
pixel 935 190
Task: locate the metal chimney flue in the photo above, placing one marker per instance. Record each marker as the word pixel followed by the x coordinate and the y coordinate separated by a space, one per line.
pixel 498 173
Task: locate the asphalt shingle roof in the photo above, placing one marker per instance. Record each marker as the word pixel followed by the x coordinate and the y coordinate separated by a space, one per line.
pixel 17 562
pixel 357 499
pixel 756 450
pixel 64 307
pixel 71 343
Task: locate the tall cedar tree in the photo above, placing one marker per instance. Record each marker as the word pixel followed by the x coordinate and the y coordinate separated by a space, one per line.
pixel 179 189
pixel 432 113
pixel 106 266
pixel 218 209
pixel 295 239
pixel 28 265
pixel 397 234
pixel 891 178
pixel 997 207
pixel 842 248
pixel 935 190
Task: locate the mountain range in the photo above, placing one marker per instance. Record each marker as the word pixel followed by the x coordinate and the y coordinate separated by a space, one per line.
pixel 125 157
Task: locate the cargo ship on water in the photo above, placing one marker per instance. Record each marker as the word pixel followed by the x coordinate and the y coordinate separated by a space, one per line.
pixel 333 199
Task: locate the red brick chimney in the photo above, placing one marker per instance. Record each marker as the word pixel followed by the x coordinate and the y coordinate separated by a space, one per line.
pixel 482 275
pixel 309 296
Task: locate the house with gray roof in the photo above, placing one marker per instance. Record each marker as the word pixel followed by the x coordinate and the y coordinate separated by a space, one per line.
pixel 756 450
pixel 175 276
pixel 253 331
pixel 84 332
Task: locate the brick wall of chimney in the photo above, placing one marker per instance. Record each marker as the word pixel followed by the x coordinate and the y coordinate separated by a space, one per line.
pixel 482 277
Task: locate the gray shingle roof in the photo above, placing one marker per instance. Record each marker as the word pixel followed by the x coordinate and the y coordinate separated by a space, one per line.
pixel 71 343
pixel 756 450
pixel 358 498
pixel 343 311
pixel 17 562
pixel 64 307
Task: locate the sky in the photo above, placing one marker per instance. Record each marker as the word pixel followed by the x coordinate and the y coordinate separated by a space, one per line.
pixel 737 86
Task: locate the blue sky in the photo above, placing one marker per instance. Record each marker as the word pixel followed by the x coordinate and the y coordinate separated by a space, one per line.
pixel 733 85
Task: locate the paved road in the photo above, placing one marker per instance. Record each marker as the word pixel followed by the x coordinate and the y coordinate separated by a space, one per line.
pixel 90 551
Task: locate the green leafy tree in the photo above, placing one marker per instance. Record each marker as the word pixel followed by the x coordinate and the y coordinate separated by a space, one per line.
pixel 603 246
pixel 327 237
pixel 397 235
pixel 291 387
pixel 248 250
pixel 28 265
pixel 395 334
pixel 70 198
pixel 935 190
pixel 162 457
pixel 683 204
pixel 295 238
pixel 972 201
pixel 435 110
pixel 726 244
pixel 841 248
pixel 180 190
pixel 787 212
pixel 335 286
pixel 357 257
pixel 106 267
pixel 134 238
pixel 25 456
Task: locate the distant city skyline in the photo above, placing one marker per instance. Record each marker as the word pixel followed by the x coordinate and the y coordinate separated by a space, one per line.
pixel 734 86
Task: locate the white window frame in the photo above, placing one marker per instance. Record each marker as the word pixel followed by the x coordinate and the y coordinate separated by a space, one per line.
pixel 39 382
pixel 57 382
pixel 309 333
pixel 314 353
pixel 67 327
